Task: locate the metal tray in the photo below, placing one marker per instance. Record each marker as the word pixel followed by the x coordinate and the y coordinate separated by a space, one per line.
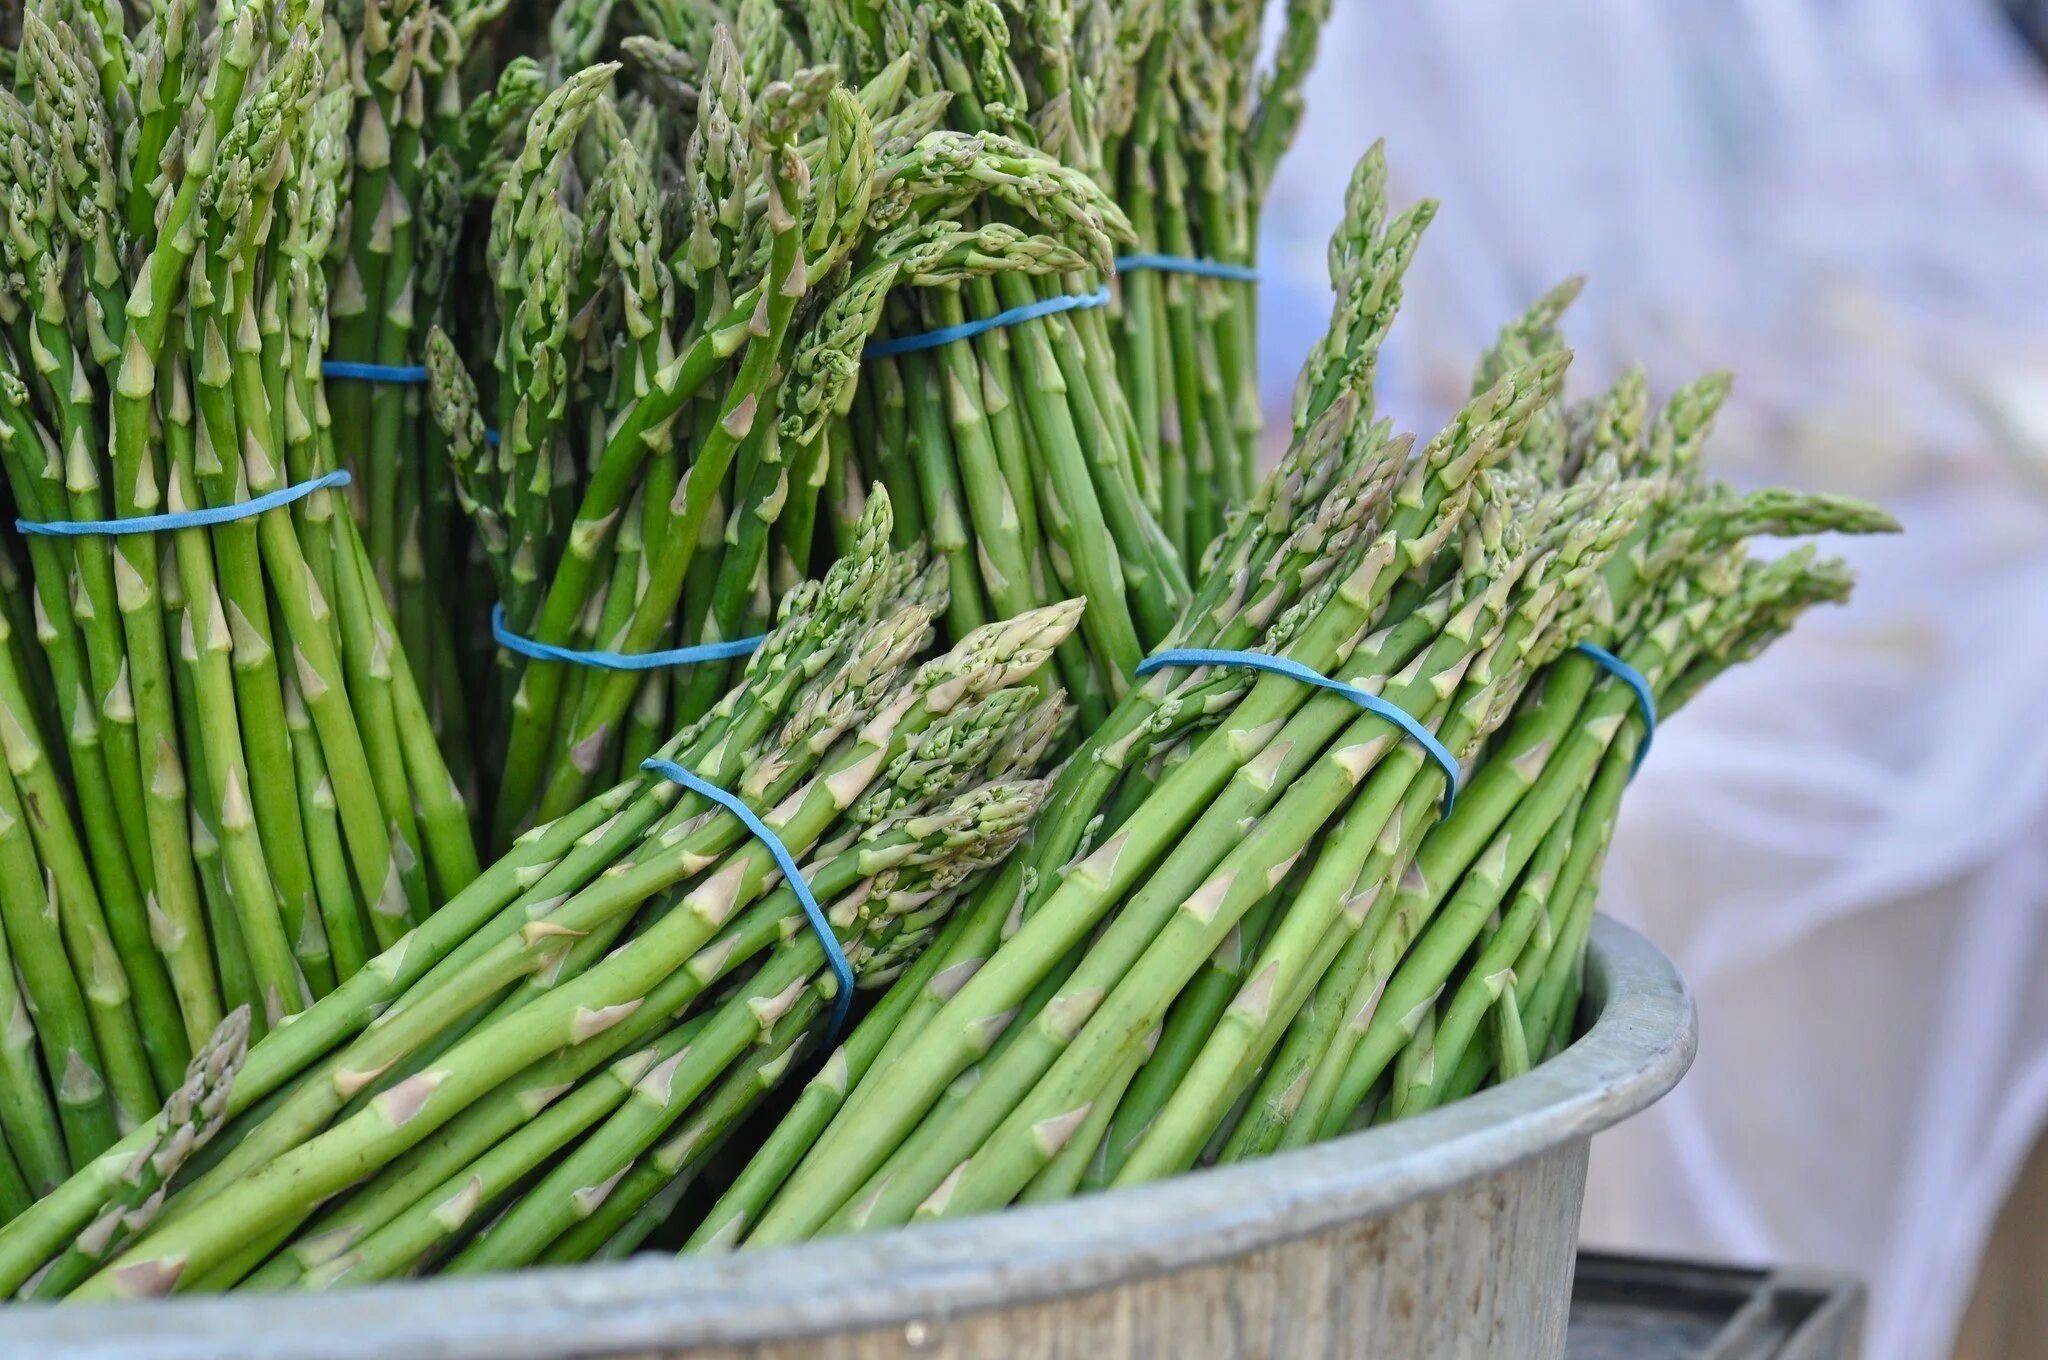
pixel 1645 1308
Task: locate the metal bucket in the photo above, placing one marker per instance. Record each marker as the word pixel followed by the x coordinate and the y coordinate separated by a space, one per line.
pixel 1448 1235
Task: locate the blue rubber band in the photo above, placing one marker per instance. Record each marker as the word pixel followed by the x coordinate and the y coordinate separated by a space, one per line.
pixel 1645 701
pixel 182 519
pixel 946 335
pixel 410 375
pixel 1187 264
pixel 834 955
pixel 1280 665
pixel 619 661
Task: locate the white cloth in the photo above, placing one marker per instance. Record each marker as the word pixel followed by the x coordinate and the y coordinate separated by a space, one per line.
pixel 1844 845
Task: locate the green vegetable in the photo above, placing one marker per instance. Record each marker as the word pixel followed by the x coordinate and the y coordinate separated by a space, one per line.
pixel 222 777
pixel 898 782
pixel 1109 926
pixel 1455 586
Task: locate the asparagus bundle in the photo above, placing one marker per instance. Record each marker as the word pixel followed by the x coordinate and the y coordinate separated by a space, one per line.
pixel 418 148
pixel 1175 115
pixel 1194 138
pixel 229 789
pixel 684 295
pixel 1249 916
pixel 644 927
pixel 1012 448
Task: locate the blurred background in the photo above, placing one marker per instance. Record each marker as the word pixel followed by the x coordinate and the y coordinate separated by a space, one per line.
pixel 1844 846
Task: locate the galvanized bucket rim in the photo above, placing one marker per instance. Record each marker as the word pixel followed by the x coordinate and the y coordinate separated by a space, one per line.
pixel 1640 1043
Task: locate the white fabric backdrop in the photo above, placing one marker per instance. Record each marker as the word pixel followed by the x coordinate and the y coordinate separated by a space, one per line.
pixel 1845 846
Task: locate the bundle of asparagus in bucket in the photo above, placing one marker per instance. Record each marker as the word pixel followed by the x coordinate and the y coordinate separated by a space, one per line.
pixel 684 302
pixel 991 405
pixel 1192 137
pixel 1254 915
pixel 632 963
pixel 418 151
pixel 223 788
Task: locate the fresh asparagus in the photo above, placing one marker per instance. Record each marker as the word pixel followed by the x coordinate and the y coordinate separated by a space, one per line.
pixel 164 326
pixel 1241 915
pixel 191 1117
pixel 1473 567
pixel 900 781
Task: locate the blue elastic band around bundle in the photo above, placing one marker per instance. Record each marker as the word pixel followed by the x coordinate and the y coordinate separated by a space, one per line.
pixel 946 335
pixel 1633 678
pixel 1186 264
pixel 619 661
pixel 834 955
pixel 1280 665
pixel 182 519
pixel 407 374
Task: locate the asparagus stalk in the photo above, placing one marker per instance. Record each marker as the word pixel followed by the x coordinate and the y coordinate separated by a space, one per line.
pixel 28 1113
pixel 645 1197
pixel 191 1117
pixel 63 893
